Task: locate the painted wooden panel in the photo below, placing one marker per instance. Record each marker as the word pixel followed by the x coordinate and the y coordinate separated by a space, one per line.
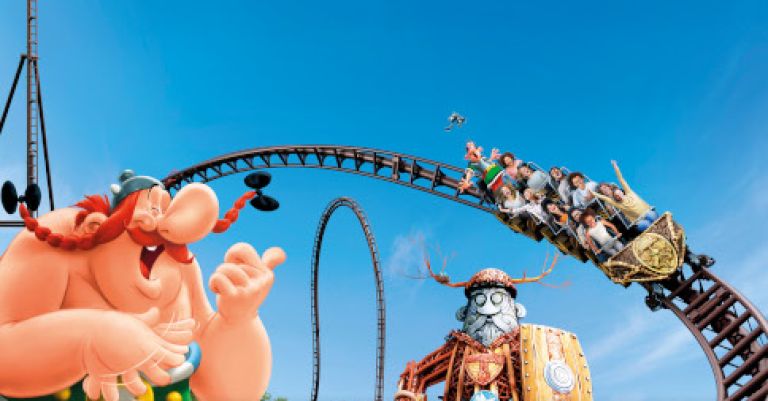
pixel 540 345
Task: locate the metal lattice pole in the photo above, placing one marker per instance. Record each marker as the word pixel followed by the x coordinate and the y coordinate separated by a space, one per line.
pixel 33 122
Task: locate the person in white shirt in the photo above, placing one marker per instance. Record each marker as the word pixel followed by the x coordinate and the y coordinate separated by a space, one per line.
pixel 537 180
pixel 532 207
pixel 509 199
pixel 602 242
pixel 582 195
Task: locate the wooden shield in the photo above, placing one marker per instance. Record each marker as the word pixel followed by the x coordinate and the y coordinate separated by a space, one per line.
pixel 483 368
pixel 553 365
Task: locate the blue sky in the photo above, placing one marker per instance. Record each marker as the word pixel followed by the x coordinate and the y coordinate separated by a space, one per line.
pixel 675 91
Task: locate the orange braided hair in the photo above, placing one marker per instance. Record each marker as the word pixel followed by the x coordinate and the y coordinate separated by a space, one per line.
pixel 233 213
pixel 109 230
pixel 116 222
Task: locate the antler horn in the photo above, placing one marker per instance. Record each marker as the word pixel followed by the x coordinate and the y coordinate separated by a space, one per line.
pixel 441 278
pixel 545 271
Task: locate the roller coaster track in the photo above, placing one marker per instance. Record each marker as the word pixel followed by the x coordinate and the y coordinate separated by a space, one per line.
pixel 425 175
pixel 380 307
pixel 732 332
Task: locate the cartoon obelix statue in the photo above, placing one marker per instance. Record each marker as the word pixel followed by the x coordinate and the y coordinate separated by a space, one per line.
pixel 104 300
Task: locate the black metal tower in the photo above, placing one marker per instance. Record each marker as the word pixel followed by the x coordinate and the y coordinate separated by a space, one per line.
pixel 35 117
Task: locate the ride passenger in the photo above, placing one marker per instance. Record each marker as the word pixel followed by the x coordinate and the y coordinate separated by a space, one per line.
pixel 582 191
pixel 638 211
pixel 560 183
pixel 557 212
pixel 532 206
pixel 510 165
pixel 575 218
pixel 607 190
pixel 534 179
pixel 509 199
pixel 602 242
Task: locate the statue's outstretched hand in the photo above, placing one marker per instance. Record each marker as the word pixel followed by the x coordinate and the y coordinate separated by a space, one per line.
pixel 243 281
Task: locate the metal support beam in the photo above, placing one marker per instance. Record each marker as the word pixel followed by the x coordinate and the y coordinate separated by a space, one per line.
pixel 11 223
pixel 22 59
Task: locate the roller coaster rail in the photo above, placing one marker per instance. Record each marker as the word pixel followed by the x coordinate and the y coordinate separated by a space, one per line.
pixel 732 332
pixel 375 163
pixel 381 313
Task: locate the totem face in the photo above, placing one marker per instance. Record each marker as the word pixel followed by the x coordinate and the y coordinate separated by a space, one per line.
pixel 490 313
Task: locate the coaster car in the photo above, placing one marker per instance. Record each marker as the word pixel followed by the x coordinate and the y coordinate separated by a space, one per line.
pixel 652 256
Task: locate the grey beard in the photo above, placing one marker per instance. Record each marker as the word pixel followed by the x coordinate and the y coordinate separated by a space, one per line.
pixel 504 322
pixel 487 334
pixel 474 323
pixel 486 329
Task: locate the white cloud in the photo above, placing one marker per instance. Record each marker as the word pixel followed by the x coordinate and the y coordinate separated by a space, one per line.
pixel 652 355
pixel 757 201
pixel 624 333
pixel 737 238
pixel 638 338
pixel 663 351
pixel 748 275
pixel 407 256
